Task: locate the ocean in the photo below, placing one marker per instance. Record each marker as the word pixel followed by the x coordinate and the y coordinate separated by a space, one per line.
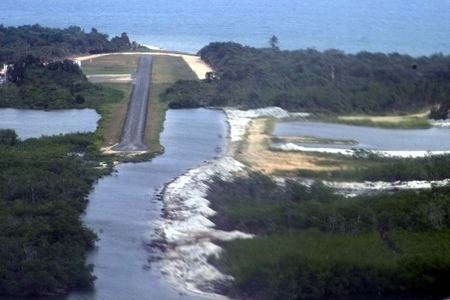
pixel 414 27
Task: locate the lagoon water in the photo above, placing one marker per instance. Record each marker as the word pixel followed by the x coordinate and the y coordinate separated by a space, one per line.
pixel 433 139
pixel 123 206
pixel 408 26
pixel 35 123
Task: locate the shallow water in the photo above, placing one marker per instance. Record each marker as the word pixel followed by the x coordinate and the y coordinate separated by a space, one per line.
pixel 409 26
pixel 433 139
pixel 123 206
pixel 34 123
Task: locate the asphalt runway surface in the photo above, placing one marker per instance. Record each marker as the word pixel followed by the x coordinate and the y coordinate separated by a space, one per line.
pixel 133 132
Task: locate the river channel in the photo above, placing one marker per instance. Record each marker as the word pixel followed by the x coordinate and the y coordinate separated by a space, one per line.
pixel 122 208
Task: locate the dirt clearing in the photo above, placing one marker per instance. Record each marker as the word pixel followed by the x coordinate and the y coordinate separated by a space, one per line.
pixel 254 151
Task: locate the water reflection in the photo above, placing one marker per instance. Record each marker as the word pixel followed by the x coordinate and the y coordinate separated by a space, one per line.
pixel 433 139
pixel 34 123
pixel 123 206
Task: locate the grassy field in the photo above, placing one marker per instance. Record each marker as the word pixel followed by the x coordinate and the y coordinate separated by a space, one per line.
pixel 111 64
pixel 414 121
pixel 406 123
pixel 166 70
pixel 373 168
pixel 113 116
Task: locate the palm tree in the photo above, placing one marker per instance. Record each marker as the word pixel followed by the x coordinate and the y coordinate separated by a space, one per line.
pixel 273 42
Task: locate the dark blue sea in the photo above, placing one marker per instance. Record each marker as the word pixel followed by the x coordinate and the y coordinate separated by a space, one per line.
pixel 414 27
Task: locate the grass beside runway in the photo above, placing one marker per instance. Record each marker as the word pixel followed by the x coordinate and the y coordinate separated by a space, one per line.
pixel 111 64
pixel 166 71
pixel 113 115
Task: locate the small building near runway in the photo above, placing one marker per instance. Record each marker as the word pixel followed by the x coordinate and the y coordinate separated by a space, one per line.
pixel 3 71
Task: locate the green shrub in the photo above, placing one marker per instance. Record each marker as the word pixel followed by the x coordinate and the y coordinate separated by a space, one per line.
pixel 8 137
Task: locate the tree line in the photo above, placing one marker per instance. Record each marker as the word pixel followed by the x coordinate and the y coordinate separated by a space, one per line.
pixel 309 80
pixel 39 76
pixel 36 84
pixel 49 43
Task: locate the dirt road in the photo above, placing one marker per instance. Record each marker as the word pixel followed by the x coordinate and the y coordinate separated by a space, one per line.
pixel 132 138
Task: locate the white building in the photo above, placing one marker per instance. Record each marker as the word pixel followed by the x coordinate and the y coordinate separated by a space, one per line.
pixel 3 70
pixel 76 61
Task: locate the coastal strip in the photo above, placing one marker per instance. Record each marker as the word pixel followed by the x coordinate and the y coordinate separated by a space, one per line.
pixel 186 232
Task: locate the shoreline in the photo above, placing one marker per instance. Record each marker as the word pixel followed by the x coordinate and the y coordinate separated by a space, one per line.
pixel 356 188
pixel 185 231
pixel 187 234
pixel 292 147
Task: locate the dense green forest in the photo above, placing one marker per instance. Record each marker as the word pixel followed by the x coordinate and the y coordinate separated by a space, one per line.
pixel 43 187
pixel 313 243
pixel 314 81
pixel 60 84
pixel 39 78
pixel 16 43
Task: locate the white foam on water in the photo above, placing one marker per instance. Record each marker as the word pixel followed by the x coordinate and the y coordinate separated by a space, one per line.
pixel 351 152
pixel 355 188
pixel 239 119
pixel 440 123
pixel 386 186
pixel 187 231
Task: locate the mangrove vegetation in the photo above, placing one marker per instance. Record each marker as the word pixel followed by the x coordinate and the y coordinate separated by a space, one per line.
pixel 309 80
pixel 56 85
pixel 17 43
pixel 313 243
pixel 43 188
